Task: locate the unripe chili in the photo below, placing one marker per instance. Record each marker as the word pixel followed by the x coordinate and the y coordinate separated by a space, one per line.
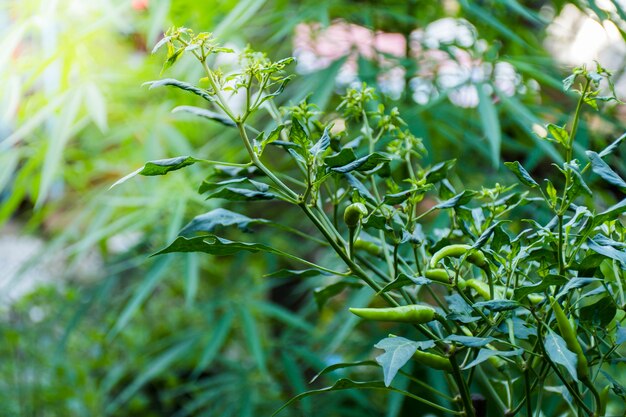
pixel 433 360
pixel 406 314
pixel 569 335
pixel 456 251
pixel 353 214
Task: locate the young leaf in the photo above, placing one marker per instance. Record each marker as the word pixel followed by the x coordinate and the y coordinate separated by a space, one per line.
pixel 180 84
pixel 159 167
pixel 559 134
pixel 297 134
pixel 557 350
pixel 522 175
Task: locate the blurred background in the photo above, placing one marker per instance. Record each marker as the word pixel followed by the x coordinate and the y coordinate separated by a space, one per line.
pixel 91 326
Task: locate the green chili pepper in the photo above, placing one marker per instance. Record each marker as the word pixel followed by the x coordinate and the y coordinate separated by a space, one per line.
pixel 353 214
pixel 369 247
pixel 433 360
pixel 480 287
pixel 405 314
pixel 604 400
pixel 443 277
pixel 569 335
pixel 456 251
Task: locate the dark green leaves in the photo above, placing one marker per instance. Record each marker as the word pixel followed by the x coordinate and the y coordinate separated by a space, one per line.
pixel 365 163
pixel 522 175
pixel 180 84
pixel 604 171
pixel 297 134
pixel 160 167
pixel 214 245
pixel 208 222
pixel 498 305
pixel 398 351
pixel 485 354
pixel 439 171
pixel 557 350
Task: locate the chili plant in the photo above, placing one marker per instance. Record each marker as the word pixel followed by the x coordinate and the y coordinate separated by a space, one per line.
pixel 523 313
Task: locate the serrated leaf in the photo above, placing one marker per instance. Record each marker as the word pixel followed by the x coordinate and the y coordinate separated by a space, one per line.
pixel 398 351
pixel 213 219
pixel 207 114
pixel 604 171
pixel 159 167
pixel 485 354
pixel 180 84
pixel 522 175
pixel 365 163
pixel 557 350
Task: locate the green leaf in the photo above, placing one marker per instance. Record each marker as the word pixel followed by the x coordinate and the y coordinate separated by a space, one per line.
pixel 604 171
pixel 600 313
pixel 485 354
pixel 241 194
pixel 208 222
pixel 159 167
pixel 322 295
pixel 401 281
pixel 608 251
pixel 559 134
pixel 612 147
pixel 297 134
pixel 575 283
pixel 498 305
pixel 172 57
pixel 469 341
pixel 568 82
pixel 398 351
pixel 397 198
pixel 439 171
pixel 180 84
pixel 292 273
pixel 210 186
pixel 272 137
pixel 207 114
pixel 491 123
pixel 484 236
pixel 557 351
pixel 578 183
pixel 214 245
pixel 546 282
pixel 463 197
pixel 365 163
pixel 611 213
pixel 343 157
pixel 522 175
pixel 322 144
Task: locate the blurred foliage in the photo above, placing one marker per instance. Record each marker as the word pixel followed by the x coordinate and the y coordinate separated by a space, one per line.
pixel 74 118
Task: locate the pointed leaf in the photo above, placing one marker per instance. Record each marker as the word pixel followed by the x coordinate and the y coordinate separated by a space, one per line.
pixel 556 348
pixel 485 354
pixel 603 170
pixel 521 174
pixel 208 222
pixel 160 167
pixel 207 114
pixel 365 163
pixel 180 84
